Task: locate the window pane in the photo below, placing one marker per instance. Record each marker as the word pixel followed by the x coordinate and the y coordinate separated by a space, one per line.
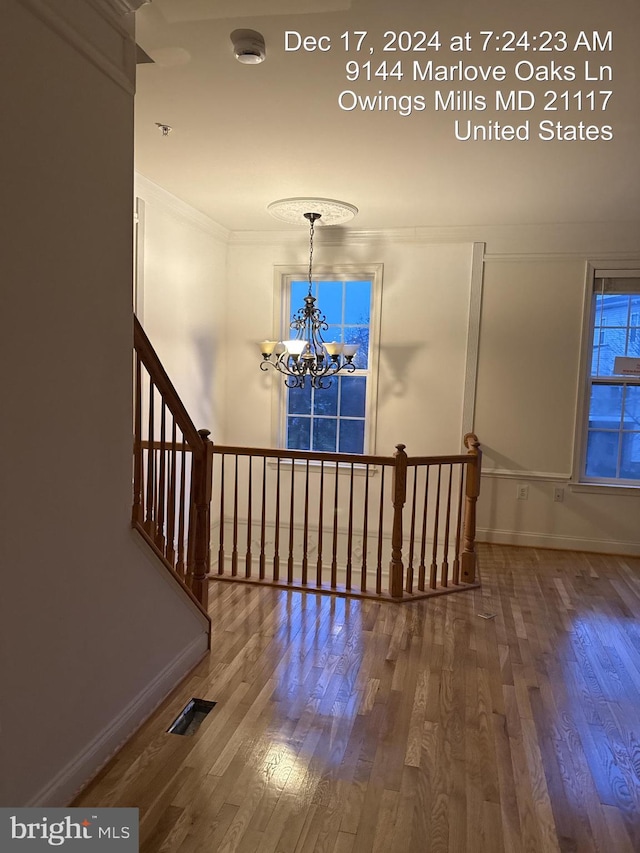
pixel 299 290
pixel 325 400
pixel 602 454
pixel 632 407
pixel 351 436
pixel 358 302
pixel 330 300
pixel 300 401
pixel 324 434
pixel 598 310
pixel 358 335
pixel 605 410
pixel 298 431
pixel 615 309
pixel 612 343
pixel 352 396
pixel 630 464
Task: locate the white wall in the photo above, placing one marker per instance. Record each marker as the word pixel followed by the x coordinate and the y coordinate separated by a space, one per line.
pixel 181 291
pixel 93 633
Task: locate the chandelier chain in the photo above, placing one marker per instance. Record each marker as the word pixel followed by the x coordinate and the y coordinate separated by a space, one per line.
pixel 311 230
pixel 308 355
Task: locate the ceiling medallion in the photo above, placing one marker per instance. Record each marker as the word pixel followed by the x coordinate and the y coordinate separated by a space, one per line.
pixel 332 211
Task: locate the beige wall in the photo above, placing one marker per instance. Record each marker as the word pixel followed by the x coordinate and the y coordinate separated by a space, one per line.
pixel 92 632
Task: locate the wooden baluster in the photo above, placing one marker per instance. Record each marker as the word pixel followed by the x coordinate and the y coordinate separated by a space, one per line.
pixel 409 586
pixel 221 534
pixel 423 541
pixel 365 531
pixel 247 567
pixel 234 550
pixel 149 521
pixel 320 521
pixel 433 577
pixel 202 477
pixel 137 512
pixel 160 513
pixel 291 518
pixel 444 574
pixel 334 550
pixel 474 467
pixel 456 561
pixel 399 491
pixel 171 500
pixel 350 531
pixel 305 532
pixel 380 541
pixel 261 571
pixel 276 538
pixel 191 532
pixel 180 562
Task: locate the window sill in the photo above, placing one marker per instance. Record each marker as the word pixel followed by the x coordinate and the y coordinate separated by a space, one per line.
pixel 605 489
pixel 359 470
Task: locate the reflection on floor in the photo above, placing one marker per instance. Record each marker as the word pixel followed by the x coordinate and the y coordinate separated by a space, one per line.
pixel 499 719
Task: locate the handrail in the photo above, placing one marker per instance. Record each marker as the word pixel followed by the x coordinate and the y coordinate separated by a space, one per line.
pixel 302 455
pixel 172 474
pixel 348 458
pixel 161 380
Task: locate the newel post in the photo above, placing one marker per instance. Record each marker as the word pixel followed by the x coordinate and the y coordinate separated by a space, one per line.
pixel 399 489
pixel 203 475
pixel 471 497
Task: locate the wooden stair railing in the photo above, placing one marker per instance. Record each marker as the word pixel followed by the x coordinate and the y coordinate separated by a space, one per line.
pixel 172 475
pixel 335 522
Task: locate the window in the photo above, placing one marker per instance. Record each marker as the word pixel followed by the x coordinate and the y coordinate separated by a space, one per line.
pixel 338 418
pixel 612 428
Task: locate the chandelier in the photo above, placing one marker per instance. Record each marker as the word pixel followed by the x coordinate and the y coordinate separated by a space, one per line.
pixel 308 355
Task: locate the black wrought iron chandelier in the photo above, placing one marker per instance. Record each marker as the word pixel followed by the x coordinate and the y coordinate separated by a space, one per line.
pixel 308 355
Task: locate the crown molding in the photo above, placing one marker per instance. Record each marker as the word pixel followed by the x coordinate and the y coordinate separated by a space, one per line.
pixel 154 194
pixel 124 7
pixel 89 27
pixel 337 236
pixel 504 243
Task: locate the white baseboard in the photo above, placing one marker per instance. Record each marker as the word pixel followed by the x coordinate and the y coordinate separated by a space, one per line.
pixel 80 770
pixel 552 540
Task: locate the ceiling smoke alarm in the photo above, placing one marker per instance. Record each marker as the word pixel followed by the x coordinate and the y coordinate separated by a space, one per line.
pixel 248 47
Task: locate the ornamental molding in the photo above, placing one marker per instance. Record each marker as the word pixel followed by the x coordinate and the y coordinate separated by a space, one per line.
pixel 98 30
pixel 124 7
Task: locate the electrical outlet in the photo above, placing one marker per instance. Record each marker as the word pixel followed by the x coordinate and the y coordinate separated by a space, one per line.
pixel 558 494
pixel 522 492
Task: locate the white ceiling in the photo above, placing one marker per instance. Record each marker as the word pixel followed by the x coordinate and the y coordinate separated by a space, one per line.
pixel 244 136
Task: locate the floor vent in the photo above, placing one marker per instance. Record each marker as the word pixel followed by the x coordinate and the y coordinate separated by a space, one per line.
pixel 189 719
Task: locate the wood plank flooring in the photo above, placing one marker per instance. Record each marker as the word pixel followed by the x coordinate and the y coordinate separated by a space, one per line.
pixel 352 726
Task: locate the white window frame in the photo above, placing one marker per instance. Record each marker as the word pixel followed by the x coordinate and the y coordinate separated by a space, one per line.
pixel 579 481
pixel 282 313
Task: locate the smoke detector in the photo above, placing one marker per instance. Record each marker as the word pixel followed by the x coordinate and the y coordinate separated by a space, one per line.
pixel 248 47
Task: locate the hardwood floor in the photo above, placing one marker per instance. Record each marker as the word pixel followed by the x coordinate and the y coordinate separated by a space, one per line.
pixel 352 726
